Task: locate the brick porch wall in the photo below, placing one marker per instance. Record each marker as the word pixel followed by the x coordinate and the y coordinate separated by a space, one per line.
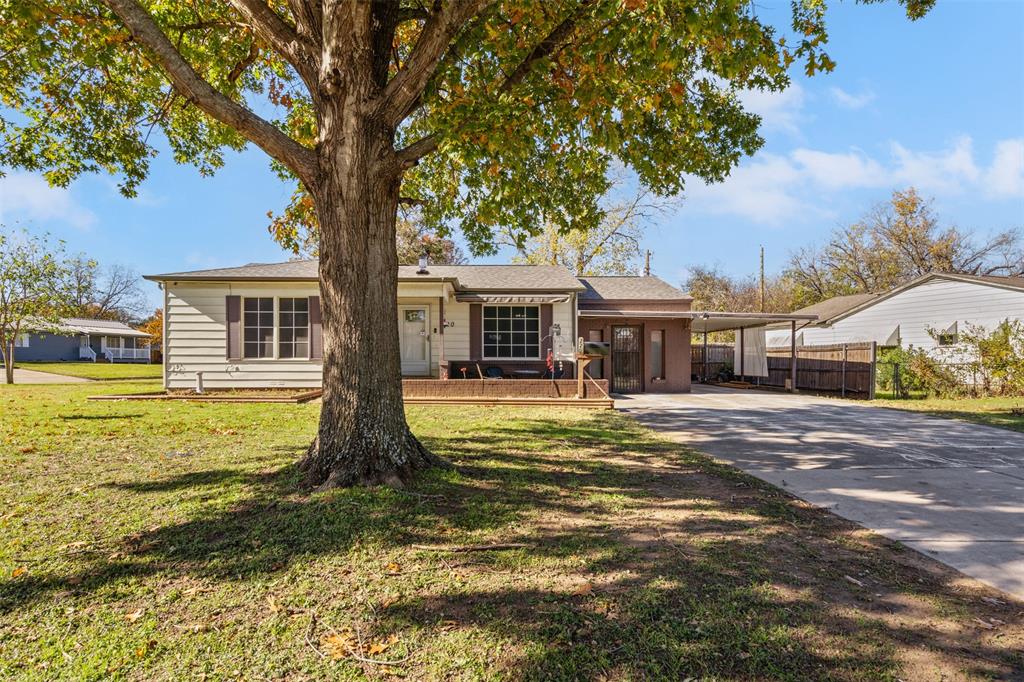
pixel 500 388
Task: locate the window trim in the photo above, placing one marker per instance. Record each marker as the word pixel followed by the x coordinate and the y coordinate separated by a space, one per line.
pixel 276 356
pixel 277 330
pixel 483 333
pixel 23 340
pixel 660 354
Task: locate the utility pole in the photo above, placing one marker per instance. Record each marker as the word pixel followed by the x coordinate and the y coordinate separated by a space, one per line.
pixel 647 263
pixel 762 278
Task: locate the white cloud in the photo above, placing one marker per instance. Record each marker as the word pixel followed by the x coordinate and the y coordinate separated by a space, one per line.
pixel 849 100
pixel 1005 177
pixel 760 191
pixel 772 189
pixel 948 171
pixel 778 110
pixel 838 171
pixel 25 196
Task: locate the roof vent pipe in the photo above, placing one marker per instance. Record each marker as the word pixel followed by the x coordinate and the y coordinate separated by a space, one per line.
pixel 424 261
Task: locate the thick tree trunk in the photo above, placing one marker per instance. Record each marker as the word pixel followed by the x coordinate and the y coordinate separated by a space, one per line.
pixel 363 437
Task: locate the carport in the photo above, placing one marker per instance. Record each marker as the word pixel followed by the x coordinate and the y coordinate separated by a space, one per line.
pixel 705 322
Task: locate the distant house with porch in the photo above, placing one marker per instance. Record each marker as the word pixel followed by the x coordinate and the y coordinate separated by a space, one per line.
pixel 83 339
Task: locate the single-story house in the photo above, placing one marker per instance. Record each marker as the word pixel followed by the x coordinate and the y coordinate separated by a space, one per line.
pixel 258 325
pixel 928 312
pixel 78 338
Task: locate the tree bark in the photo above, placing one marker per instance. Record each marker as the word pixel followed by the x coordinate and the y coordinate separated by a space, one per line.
pixel 9 362
pixel 363 438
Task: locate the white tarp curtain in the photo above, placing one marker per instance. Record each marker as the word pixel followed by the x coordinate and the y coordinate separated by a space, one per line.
pixel 755 353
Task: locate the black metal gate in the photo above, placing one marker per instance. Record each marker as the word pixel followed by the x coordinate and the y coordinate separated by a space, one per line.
pixel 627 373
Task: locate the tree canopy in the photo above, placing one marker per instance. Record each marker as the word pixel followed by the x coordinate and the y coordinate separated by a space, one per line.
pixel 33 289
pixel 506 113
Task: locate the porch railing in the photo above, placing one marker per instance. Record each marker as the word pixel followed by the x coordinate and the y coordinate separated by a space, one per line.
pixel 115 354
pixel 86 353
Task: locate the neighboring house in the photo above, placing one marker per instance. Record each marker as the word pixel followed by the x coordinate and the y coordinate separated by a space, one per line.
pixel 83 339
pixel 259 325
pixel 927 313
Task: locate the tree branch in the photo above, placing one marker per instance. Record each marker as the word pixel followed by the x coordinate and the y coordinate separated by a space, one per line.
pixel 282 38
pixel 411 154
pixel 404 90
pixel 297 158
pixel 546 47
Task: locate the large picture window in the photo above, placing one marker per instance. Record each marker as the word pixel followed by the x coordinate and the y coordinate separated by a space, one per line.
pixel 259 327
pixel 511 331
pixel 293 328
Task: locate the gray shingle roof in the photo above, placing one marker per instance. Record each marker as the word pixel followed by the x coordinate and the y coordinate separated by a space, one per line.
pixel 468 277
pixel 629 288
pixel 835 306
pixel 82 325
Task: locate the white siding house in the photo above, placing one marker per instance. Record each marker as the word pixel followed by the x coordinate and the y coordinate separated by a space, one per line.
pixel 199 336
pixel 907 316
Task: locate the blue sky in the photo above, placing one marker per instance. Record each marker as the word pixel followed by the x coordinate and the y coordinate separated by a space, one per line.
pixel 938 104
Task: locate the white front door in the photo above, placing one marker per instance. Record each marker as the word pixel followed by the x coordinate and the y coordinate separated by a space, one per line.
pixel 414 338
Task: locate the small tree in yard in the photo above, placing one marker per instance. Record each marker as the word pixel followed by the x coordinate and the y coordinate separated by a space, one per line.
pixel 32 290
pixel 495 113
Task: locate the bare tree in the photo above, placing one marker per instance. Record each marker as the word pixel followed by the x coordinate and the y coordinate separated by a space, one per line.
pixel 111 293
pixel 894 243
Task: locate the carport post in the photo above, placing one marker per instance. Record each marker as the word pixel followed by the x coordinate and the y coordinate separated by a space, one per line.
pixel 743 358
pixel 704 367
pixel 792 356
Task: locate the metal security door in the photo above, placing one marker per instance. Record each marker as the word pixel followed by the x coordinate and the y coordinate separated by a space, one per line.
pixel 627 374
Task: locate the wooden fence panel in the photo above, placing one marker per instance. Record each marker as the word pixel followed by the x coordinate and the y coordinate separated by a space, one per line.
pixel 843 369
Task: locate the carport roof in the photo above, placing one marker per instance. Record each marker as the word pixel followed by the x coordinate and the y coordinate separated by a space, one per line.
pixel 707 321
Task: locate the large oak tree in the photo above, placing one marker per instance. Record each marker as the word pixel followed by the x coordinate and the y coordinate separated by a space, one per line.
pixel 492 112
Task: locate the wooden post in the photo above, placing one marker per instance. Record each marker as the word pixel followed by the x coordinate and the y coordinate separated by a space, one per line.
pixel 843 389
pixel 874 362
pixel 581 364
pixel 792 356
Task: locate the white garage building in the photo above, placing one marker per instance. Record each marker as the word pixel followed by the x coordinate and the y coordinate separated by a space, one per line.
pixel 908 315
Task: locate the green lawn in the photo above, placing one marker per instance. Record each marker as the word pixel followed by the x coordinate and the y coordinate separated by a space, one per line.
pixel 1005 412
pixel 165 541
pixel 102 371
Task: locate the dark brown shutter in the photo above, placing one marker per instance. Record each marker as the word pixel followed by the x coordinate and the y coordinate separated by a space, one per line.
pixel 233 304
pixel 547 318
pixel 316 330
pixel 475 331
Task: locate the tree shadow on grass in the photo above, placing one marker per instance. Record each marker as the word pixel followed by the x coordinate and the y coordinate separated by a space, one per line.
pixel 645 560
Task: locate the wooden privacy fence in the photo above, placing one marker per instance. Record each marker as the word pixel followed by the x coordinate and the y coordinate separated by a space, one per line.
pixel 720 356
pixel 845 369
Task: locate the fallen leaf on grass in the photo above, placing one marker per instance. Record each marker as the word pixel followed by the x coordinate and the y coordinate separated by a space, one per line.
pixel 134 616
pixel 26 450
pixel 338 645
pixel 584 589
pixel 19 571
pixel 393 569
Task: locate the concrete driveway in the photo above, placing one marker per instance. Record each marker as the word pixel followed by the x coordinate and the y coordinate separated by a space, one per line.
pixel 950 489
pixel 30 376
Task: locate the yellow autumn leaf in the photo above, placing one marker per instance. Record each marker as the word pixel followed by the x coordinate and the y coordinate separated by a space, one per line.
pixel 133 616
pixel 20 570
pixel 393 568
pixel 338 645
